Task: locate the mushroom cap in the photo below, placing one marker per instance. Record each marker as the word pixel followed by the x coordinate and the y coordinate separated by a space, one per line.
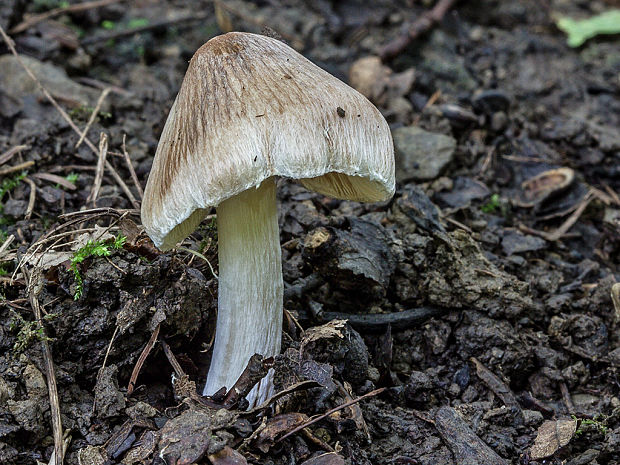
pixel 250 107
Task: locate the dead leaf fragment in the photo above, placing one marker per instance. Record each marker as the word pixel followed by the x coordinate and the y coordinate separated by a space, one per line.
pixel 552 435
pixel 543 185
pixel 326 331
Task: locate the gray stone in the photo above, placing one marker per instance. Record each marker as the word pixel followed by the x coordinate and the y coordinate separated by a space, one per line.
pixel 15 81
pixel 421 155
pixel 15 208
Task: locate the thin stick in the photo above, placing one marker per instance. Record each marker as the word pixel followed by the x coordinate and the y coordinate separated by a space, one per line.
pixel 58 11
pixel 12 169
pixel 33 289
pixel 329 412
pixel 93 115
pixel 421 25
pixel 6 156
pixel 145 353
pixel 31 198
pixel 132 172
pixel 137 30
pixel 103 153
pixel 99 211
pixel 68 119
pixel 5 245
pixel 429 103
pixel 172 359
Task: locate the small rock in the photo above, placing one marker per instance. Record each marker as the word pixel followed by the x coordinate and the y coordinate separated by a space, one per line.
pixel 16 82
pixel 421 155
pixel 516 242
pixel 463 192
pixel 418 390
pixel 51 195
pixel 532 417
pixel 15 208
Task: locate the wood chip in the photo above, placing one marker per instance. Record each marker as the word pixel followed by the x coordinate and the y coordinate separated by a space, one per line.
pixel 552 435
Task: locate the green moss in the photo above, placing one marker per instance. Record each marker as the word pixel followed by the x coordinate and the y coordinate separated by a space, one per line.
pixel 92 249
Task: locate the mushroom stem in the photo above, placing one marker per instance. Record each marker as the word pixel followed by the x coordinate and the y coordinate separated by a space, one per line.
pixel 249 318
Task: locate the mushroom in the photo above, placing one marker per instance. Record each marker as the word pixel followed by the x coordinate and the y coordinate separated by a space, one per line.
pixel 251 109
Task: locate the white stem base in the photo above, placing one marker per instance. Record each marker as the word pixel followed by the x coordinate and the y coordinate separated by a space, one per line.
pixel 250 288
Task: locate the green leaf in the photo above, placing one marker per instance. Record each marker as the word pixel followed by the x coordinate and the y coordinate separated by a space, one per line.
pixel 578 31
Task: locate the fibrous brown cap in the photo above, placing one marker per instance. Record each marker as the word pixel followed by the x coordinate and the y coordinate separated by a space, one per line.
pixel 250 108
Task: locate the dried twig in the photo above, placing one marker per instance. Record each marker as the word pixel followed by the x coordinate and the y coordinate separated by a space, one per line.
pixel 33 286
pixel 132 171
pixel 67 118
pixel 31 21
pixel 103 38
pixel 55 179
pixel 563 229
pixel 19 167
pixel 103 153
pixel 421 25
pixel 31 198
pixel 178 371
pixel 6 156
pixel 93 115
pixel 429 103
pixel 329 412
pixel 568 401
pixel 103 85
pixel 145 353
pixel 256 369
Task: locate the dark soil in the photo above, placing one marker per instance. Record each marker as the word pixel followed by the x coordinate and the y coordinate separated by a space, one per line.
pixel 479 297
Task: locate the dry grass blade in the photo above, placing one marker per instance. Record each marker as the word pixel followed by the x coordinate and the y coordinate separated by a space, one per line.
pixel 103 153
pixel 68 119
pixel 21 27
pixel 93 115
pixel 33 287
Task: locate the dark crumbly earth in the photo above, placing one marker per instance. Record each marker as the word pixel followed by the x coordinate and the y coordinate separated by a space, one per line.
pixel 479 297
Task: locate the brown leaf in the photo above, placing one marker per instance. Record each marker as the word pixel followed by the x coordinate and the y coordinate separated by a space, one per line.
pixel 277 426
pixel 552 435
